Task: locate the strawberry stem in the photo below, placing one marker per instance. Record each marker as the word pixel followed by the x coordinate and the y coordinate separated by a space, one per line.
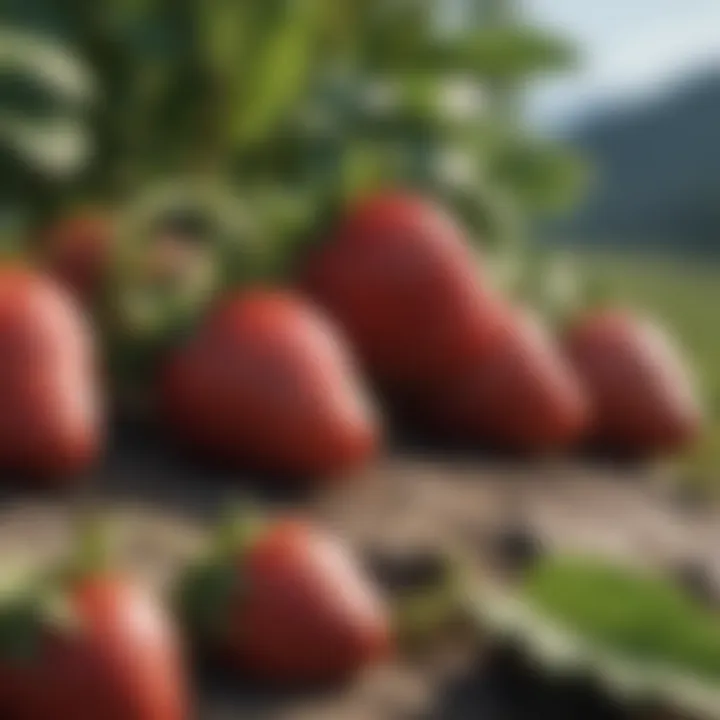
pixel 242 524
pixel 92 543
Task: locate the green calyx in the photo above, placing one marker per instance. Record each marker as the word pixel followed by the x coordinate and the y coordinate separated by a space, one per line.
pixel 207 590
pixel 34 604
pixel 203 598
pixel 238 531
pixel 31 608
pixel 22 625
pixel 91 553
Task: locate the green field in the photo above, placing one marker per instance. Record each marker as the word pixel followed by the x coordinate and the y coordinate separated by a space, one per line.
pixel 685 295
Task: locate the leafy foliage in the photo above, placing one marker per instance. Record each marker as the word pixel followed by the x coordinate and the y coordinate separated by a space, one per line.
pixel 203 599
pixel 319 98
pixel 45 96
pixel 543 176
pixel 20 630
pixel 643 618
pixel 510 53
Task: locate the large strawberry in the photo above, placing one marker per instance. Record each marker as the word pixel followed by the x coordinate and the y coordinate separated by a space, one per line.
pixel 522 394
pixel 641 389
pixel 267 382
pixel 285 603
pixel 51 422
pixel 401 279
pixel 89 643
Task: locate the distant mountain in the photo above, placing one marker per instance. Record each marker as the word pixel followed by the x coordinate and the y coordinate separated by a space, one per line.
pixel 658 171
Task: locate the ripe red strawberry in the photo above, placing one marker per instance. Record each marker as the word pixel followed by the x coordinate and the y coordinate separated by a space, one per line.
pixel 522 395
pixel 112 653
pixel 402 281
pixel 51 421
pixel 287 606
pixel 641 390
pixel 267 382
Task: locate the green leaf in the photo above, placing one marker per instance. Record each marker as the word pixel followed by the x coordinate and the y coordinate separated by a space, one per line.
pixel 507 53
pixel 93 543
pixel 397 35
pixel 31 604
pixel 640 616
pixel 489 212
pixel 21 630
pixel 242 525
pixel 54 147
pixel 208 588
pixel 495 54
pixel 54 65
pixel 224 29
pixel 47 86
pixel 281 69
pixel 204 597
pixel 542 175
pixel 366 167
pixel 638 635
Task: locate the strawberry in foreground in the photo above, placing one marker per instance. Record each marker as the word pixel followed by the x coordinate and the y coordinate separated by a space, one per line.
pixel 77 250
pixel 284 603
pixel 521 395
pixel 89 643
pixel 51 423
pixel 401 279
pixel 267 383
pixel 641 390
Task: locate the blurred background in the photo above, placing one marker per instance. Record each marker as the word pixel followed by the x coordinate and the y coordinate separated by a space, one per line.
pixel 575 139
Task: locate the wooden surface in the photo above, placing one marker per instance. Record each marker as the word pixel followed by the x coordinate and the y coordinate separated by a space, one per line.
pixel 407 500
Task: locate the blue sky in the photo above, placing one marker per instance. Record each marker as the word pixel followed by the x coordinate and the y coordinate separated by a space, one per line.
pixel 630 48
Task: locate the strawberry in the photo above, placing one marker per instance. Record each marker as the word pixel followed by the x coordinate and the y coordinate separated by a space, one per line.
pixel 400 278
pixel 267 382
pixel 522 395
pixel 51 409
pixel 641 389
pixel 284 603
pixel 90 643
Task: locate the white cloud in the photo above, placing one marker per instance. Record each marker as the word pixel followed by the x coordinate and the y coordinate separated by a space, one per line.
pixel 661 52
pixel 631 47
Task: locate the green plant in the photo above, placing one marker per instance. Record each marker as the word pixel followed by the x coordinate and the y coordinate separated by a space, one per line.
pixel 316 99
pixel 643 618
